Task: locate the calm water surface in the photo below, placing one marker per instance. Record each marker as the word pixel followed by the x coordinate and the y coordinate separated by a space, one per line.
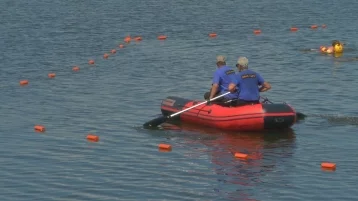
pixel 114 97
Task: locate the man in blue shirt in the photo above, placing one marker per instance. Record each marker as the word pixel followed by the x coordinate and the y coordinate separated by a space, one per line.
pixel 223 76
pixel 247 83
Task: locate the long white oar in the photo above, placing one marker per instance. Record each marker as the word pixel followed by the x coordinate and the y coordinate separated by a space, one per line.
pixel 157 121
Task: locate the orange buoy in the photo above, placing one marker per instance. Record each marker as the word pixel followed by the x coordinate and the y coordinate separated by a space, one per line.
pixel 121 46
pixel 293 29
pixel 113 51
pixel 212 35
pixel 127 39
pixel 75 68
pixel 314 26
pixel 92 137
pixel 105 56
pixel 91 62
pixel 165 146
pixel 328 165
pixel 39 128
pixel 257 31
pixel 324 26
pixel 162 37
pixel 241 155
pixel 51 75
pixel 138 38
pixel 24 82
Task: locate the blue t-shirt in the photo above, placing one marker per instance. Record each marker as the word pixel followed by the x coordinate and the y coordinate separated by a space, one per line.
pixel 247 83
pixel 223 76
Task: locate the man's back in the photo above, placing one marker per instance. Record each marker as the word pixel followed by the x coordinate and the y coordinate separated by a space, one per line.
pixel 248 82
pixel 223 76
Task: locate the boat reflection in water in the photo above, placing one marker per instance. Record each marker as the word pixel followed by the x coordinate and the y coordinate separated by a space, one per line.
pixel 238 179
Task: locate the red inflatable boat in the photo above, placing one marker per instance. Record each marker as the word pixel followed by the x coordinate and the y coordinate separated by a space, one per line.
pixel 256 117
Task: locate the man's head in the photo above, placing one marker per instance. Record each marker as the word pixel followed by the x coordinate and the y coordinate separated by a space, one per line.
pixel 220 60
pixel 334 42
pixel 242 63
pixel 337 46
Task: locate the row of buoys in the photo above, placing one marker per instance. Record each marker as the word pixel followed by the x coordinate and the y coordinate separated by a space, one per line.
pixel 75 68
pixel 53 75
pixel 242 156
pixel 90 137
pixel 106 55
pixel 128 39
pixel 293 29
pixel 167 148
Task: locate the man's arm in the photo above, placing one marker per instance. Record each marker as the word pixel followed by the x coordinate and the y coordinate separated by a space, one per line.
pixel 215 85
pixel 214 90
pixel 265 87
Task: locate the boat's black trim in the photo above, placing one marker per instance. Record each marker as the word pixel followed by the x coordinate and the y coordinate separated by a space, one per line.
pixel 278 122
pixel 276 108
pixel 175 103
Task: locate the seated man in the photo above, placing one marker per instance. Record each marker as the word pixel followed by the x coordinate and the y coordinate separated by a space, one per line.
pixel 223 76
pixel 247 84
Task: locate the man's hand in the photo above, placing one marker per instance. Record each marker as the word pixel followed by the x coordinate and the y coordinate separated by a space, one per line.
pixel 232 87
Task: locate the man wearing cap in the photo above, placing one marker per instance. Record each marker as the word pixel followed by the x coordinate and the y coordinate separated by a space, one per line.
pixel 223 76
pixel 247 83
